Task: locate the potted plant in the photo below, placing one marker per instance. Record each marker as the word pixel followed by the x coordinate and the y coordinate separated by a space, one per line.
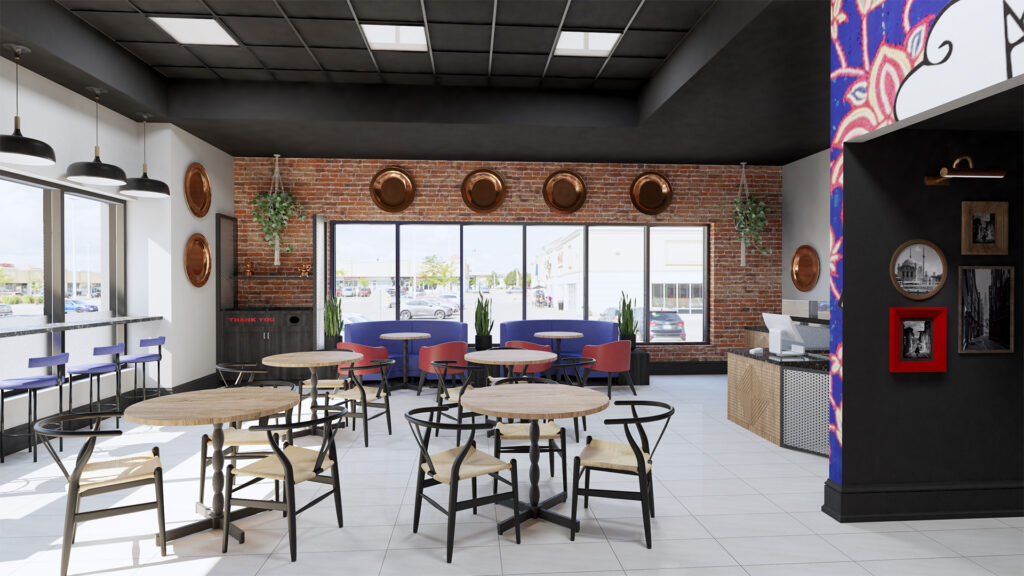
pixel 272 210
pixel 751 216
pixel 333 323
pixel 483 323
pixel 627 323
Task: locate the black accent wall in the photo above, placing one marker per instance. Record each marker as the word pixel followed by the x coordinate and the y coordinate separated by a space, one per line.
pixel 938 444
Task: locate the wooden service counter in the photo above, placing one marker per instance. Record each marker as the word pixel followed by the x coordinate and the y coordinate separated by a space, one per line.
pixel 784 402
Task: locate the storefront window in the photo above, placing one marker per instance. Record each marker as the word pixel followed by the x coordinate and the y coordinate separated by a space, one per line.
pixel 364 271
pixel 493 268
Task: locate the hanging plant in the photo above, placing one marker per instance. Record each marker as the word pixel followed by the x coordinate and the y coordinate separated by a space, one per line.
pixel 272 210
pixel 751 217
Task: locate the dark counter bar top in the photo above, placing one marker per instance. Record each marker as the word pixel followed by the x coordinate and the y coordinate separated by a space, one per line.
pixel 64 326
pixel 806 363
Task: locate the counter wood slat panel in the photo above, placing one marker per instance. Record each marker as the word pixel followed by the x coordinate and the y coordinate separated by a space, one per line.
pixel 754 398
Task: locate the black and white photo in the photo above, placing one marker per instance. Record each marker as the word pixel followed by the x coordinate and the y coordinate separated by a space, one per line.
pixel 917 339
pixel 984 227
pixel 986 309
pixel 918 269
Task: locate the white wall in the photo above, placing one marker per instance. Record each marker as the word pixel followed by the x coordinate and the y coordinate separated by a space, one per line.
pixel 156 230
pixel 805 220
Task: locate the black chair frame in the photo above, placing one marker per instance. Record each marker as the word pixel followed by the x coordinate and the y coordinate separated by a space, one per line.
pixel 562 366
pixel 382 399
pixel 443 396
pixel 73 516
pixel 327 450
pixel 33 415
pixel 421 432
pixel 646 479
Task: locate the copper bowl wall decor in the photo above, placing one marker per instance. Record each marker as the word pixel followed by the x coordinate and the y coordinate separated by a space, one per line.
pixel 804 268
pixel 483 190
pixel 651 193
pixel 198 260
pixel 392 189
pixel 198 193
pixel 565 191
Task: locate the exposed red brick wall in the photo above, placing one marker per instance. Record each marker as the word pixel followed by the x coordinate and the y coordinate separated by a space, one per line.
pixel 338 189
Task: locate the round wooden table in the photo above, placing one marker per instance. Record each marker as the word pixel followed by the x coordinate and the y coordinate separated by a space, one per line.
pixel 535 402
pixel 312 360
pixel 558 336
pixel 216 407
pixel 405 337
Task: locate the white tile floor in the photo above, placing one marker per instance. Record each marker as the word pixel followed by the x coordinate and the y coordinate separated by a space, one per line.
pixel 728 504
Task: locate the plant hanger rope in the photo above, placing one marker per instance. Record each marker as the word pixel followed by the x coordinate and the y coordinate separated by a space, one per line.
pixel 273 209
pixel 742 194
pixel 751 217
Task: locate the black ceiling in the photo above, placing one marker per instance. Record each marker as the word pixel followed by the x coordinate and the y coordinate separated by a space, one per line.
pixel 690 80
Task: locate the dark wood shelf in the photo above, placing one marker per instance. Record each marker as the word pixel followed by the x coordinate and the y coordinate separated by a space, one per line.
pixel 271 276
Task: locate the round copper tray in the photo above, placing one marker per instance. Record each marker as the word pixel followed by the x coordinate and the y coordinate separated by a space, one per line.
pixel 483 190
pixel 651 193
pixel 198 260
pixel 565 191
pixel 392 189
pixel 804 268
pixel 198 193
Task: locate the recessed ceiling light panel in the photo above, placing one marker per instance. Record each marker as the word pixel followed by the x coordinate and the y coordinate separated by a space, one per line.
pixel 594 44
pixel 388 37
pixel 195 31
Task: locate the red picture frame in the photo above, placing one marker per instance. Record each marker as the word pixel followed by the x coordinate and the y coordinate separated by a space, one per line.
pixel 917 339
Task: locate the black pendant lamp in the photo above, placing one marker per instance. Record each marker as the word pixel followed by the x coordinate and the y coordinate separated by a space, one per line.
pixel 15 148
pixel 96 173
pixel 144 186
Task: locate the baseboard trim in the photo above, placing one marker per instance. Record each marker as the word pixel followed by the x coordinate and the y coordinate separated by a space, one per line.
pixel 678 368
pixel 923 501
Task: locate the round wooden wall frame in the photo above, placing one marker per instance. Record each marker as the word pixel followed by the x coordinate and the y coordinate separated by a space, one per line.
pixel 651 193
pixel 483 190
pixel 392 189
pixel 913 288
pixel 565 191
pixel 804 268
pixel 198 260
pixel 198 192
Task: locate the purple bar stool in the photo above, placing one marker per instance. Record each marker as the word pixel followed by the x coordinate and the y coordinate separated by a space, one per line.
pixel 144 358
pixel 31 385
pixel 96 371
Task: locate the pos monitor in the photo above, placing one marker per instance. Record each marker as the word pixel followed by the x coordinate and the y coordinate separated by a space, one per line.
pixel 782 332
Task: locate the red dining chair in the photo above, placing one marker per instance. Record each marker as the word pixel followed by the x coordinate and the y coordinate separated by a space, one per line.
pixel 349 388
pixel 453 352
pixel 530 368
pixel 612 357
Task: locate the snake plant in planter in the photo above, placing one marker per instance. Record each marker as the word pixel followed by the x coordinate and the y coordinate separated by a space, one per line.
pixel 751 217
pixel 627 322
pixel 483 323
pixel 333 323
pixel 272 210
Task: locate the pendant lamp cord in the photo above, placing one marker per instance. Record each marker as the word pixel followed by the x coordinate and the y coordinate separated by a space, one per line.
pixel 17 83
pixel 97 120
pixel 143 142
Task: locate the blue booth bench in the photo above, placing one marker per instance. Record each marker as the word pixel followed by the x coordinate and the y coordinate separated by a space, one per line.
pixel 368 334
pixel 594 332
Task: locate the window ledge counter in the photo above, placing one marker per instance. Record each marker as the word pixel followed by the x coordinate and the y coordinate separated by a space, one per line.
pixel 75 325
pixel 783 401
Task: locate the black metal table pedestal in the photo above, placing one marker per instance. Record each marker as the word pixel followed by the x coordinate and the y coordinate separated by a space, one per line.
pixel 536 508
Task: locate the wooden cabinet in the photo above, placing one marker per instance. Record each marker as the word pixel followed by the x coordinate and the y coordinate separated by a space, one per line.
pixel 251 335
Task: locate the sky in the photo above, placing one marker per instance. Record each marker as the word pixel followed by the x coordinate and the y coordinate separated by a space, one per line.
pixel 21 228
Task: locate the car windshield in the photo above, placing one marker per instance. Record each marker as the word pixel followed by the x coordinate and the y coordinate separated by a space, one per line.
pixel 665 317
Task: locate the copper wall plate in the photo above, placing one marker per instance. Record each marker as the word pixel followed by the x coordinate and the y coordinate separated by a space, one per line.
pixel 804 268
pixel 198 260
pixel 565 191
pixel 483 190
pixel 651 193
pixel 392 189
pixel 198 193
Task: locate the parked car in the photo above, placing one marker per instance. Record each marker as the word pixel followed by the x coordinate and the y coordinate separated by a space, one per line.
pixel 353 318
pixel 363 291
pixel 667 324
pixel 348 291
pixel 452 299
pixel 71 305
pixel 609 315
pixel 420 308
pixel 6 310
pixel 449 307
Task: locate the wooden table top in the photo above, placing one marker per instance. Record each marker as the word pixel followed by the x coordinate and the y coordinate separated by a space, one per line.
pixel 510 357
pixel 534 401
pixel 404 336
pixel 312 359
pixel 217 406
pixel 558 335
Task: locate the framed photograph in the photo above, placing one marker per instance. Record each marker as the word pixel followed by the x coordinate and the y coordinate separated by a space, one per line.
pixel 986 310
pixel 917 339
pixel 983 228
pixel 918 269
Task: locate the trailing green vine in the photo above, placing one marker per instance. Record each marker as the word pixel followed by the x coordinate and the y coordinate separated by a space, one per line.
pixel 272 211
pixel 751 217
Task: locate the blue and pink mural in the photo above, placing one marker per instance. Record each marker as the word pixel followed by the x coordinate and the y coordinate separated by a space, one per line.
pixel 892 59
